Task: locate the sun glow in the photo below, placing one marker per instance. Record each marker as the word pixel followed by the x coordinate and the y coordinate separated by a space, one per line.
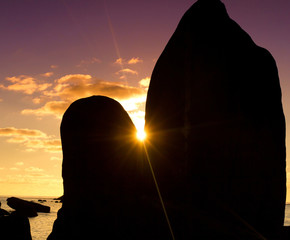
pixel 141 135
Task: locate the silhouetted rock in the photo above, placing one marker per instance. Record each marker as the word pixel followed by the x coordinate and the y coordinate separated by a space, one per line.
pixel 216 128
pixel 14 227
pixel 286 233
pixel 108 189
pixel 3 212
pixel 27 208
pixel 59 198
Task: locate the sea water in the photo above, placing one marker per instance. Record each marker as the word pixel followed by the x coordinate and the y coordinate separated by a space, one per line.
pixel 41 225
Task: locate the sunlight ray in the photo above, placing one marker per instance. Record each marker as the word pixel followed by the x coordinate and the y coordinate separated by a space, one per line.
pixel 159 193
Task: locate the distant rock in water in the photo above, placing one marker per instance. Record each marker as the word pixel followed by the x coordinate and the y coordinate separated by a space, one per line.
pixel 216 129
pixel 59 198
pixel 108 189
pixel 26 208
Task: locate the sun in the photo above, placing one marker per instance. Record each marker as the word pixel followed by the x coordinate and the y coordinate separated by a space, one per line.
pixel 141 135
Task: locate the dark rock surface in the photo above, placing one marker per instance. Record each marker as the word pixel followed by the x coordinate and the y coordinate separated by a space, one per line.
pixel 22 207
pixel 108 189
pixel 27 208
pixel 216 129
pixel 3 212
pixel 14 227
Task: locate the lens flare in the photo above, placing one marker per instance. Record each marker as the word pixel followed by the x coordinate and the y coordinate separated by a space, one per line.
pixel 141 135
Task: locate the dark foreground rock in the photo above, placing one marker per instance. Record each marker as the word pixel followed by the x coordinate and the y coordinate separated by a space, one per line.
pixel 108 189
pixel 286 233
pixel 14 227
pixel 27 208
pixel 3 212
pixel 216 129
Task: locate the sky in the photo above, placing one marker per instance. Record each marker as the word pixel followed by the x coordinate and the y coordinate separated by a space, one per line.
pixel 53 52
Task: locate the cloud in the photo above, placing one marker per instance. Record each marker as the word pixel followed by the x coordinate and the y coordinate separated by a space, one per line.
pixel 52 145
pixel 31 139
pixel 25 84
pixel 11 131
pixel 120 61
pixel 127 70
pixel 36 100
pixel 56 108
pixel 135 60
pixel 55 159
pixel 48 74
pixel 144 82
pixel 71 87
pixel 53 66
pixel 47 145
pixel 1 100
pixel 33 169
pixel 30 150
pixel 34 176
pixel 56 97
pixel 19 163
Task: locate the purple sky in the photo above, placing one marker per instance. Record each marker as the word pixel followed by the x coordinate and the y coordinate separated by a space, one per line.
pixel 43 41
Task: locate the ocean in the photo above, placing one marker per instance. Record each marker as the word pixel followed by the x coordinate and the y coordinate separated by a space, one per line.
pixel 41 225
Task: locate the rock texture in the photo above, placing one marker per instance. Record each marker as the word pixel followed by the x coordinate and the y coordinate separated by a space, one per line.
pixel 108 191
pixel 216 129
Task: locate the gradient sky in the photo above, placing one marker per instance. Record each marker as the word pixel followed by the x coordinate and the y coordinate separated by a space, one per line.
pixel 53 52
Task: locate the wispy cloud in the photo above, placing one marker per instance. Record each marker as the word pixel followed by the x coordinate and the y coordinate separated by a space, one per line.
pixel 33 169
pixel 56 108
pixel 31 177
pixel 53 98
pixel 52 145
pixel 135 60
pixel 12 131
pixel 47 74
pixel 31 139
pixel 71 87
pixel 127 70
pixel 19 163
pixel 25 84
pixel 55 159
pixel 120 61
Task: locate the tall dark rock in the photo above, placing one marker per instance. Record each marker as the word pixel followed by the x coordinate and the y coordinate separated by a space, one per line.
pixel 108 189
pixel 216 129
